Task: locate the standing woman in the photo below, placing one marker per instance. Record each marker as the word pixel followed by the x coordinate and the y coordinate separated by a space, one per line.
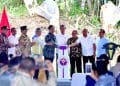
pixel 49 48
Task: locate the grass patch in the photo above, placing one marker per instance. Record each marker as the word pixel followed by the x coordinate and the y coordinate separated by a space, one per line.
pixel 14 7
pixel 18 11
pixel 95 21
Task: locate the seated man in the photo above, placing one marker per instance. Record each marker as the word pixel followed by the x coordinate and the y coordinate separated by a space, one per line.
pixel 100 75
pixel 105 77
pixel 9 73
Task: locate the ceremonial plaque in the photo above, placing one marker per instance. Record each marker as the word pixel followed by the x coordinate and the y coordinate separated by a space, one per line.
pixel 63 62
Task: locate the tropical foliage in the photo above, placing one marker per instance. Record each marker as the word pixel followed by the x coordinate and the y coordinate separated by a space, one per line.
pixel 72 10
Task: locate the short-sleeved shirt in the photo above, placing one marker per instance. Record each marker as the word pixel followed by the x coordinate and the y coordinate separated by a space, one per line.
pixel 38 47
pixel 99 46
pixel 106 80
pixel 49 50
pixel 12 40
pixel 25 45
pixel 61 39
pixel 4 43
pixel 87 45
pixel 75 51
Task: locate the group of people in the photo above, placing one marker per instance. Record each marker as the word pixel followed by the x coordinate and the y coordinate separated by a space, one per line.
pixel 21 71
pixel 66 49
pixel 101 75
pixel 17 65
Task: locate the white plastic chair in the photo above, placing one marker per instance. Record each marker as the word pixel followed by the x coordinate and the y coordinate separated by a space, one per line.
pixel 78 79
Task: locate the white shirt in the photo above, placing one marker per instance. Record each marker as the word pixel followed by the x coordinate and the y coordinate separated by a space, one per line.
pixel 23 79
pixel 12 40
pixel 87 45
pixel 61 39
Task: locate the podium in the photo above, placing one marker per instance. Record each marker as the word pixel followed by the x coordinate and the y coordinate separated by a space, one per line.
pixel 63 82
pixel 63 63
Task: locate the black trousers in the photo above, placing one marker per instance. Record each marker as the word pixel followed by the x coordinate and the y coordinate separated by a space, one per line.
pixel 50 59
pixel 75 62
pixel 3 57
pixel 86 59
pixel 46 71
pixel 36 74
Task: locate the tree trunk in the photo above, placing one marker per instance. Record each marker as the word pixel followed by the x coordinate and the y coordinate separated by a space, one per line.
pixel 98 8
pixel 119 3
pixel 83 4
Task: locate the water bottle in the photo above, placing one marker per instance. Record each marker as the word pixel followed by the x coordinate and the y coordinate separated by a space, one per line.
pixel 88 67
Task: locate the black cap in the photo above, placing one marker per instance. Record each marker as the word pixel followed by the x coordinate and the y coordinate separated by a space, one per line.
pixel 23 28
pixel 38 29
pixel 4 28
pixel 103 57
pixel 62 26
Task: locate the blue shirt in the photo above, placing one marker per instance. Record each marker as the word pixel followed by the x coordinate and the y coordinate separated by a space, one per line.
pixel 99 46
pixel 49 50
pixel 6 78
pixel 90 81
pixel 106 80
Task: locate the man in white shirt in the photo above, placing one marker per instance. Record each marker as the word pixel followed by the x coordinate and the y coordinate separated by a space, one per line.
pixel 88 47
pixel 62 43
pixel 14 41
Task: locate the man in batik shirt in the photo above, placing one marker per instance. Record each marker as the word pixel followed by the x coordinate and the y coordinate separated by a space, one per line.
pixel 25 42
pixel 4 45
pixel 75 53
